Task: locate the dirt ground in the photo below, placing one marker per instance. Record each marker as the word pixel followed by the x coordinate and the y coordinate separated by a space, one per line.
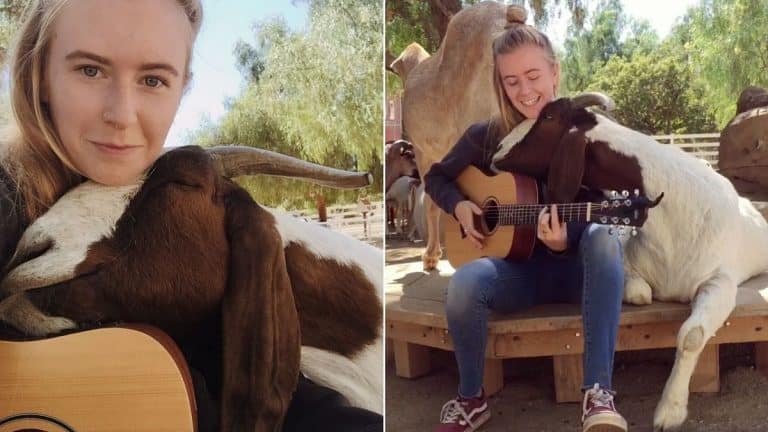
pixel 527 401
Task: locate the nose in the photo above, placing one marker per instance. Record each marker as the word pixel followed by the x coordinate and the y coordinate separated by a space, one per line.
pixel 120 110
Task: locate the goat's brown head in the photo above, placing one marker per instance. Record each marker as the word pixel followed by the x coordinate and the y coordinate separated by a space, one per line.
pixel 399 160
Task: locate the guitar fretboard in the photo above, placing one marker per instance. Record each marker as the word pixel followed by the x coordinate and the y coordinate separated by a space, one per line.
pixel 528 214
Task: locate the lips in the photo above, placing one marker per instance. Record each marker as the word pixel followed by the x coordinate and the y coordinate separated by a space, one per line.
pixel 531 101
pixel 112 148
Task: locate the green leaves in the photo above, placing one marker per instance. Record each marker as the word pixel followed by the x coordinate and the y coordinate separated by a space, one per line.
pixel 314 94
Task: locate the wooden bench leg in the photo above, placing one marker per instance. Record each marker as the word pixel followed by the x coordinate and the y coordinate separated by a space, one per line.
pixel 706 376
pixel 569 374
pixel 761 357
pixel 493 376
pixel 411 360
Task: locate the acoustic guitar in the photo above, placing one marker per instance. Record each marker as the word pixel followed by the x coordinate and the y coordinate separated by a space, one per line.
pixel 107 379
pixel 510 204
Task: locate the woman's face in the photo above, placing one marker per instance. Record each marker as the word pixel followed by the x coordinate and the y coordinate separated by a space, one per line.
pixel 529 78
pixel 113 81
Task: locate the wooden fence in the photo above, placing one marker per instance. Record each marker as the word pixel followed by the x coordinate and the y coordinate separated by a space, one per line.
pixel 703 145
pixel 362 221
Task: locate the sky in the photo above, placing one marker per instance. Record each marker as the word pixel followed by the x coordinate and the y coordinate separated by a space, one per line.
pixel 216 77
pixel 215 74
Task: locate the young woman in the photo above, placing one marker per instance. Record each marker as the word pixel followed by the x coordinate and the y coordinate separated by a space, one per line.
pixel 571 263
pixel 95 86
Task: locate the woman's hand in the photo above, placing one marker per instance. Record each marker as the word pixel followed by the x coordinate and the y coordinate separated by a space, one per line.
pixel 464 212
pixel 551 231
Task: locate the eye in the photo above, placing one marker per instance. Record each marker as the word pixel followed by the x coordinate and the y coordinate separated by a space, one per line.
pixel 89 71
pixel 154 82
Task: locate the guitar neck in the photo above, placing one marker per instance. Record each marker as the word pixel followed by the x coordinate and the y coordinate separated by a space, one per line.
pixel 528 214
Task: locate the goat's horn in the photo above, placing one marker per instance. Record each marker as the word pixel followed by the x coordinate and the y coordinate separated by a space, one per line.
pixel 234 160
pixel 591 99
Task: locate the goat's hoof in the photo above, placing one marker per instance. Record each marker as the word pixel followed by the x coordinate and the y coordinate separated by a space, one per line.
pixel 669 416
pixel 430 263
pixel 637 291
pixel 49 325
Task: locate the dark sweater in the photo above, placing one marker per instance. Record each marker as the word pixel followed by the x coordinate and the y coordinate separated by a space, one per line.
pixel 475 148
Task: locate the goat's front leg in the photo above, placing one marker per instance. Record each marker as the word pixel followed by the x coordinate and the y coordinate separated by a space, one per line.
pixel 637 291
pixel 431 256
pixel 712 305
pixel 19 312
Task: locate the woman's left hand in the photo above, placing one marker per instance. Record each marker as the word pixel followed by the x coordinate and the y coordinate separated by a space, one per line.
pixel 551 231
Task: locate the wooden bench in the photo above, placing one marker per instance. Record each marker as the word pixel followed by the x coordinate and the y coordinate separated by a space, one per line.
pixel 415 321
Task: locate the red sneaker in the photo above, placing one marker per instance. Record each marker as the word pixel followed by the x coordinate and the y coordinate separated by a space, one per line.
pixel 464 414
pixel 599 414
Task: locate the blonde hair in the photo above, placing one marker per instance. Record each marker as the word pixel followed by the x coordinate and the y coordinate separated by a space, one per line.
pixel 32 151
pixel 516 34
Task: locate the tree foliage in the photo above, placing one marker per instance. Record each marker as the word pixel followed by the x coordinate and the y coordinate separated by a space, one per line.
pixel 317 96
pixel 610 33
pixel 654 93
pixel 728 44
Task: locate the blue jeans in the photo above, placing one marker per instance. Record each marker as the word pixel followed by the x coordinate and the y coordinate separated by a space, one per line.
pixel 594 277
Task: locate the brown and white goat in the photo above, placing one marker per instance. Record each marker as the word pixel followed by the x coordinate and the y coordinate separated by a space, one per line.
pixel 696 246
pixel 188 250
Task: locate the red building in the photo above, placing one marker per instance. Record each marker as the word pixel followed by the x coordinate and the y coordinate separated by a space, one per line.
pixel 393 122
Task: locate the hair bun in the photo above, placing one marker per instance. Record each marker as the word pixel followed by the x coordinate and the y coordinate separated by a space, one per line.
pixel 516 14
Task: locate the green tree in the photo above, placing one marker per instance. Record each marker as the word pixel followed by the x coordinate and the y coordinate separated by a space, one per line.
pixel 318 97
pixel 609 34
pixel 10 12
pixel 727 43
pixel 654 93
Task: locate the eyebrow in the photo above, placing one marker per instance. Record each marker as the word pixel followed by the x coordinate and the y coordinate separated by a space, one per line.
pixel 524 73
pixel 80 54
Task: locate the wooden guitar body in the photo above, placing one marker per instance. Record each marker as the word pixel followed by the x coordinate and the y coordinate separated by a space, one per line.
pixel 511 209
pixel 107 379
pixel 505 241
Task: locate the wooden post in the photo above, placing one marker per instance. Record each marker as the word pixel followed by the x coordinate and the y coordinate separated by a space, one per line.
pixel 706 376
pixel 569 375
pixel 322 211
pixel 411 360
pixel 761 357
pixel 493 376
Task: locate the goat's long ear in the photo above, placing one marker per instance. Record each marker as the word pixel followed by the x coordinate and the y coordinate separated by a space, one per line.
pixel 260 323
pixel 567 167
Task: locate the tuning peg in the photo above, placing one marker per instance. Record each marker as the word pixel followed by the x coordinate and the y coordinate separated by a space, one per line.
pixel 634 231
pixel 626 221
pixel 622 231
pixel 611 229
pixel 625 193
pixel 605 204
pixel 637 192
pixel 603 219
pixel 628 203
pixel 615 219
pixel 613 194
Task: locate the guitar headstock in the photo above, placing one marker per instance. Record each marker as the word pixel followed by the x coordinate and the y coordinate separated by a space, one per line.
pixel 622 210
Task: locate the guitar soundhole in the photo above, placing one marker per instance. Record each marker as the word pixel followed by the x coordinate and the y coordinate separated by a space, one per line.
pixel 490 216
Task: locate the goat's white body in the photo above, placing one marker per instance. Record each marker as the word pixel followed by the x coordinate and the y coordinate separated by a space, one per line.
pixel 360 378
pixel 400 195
pixel 700 227
pixel 696 246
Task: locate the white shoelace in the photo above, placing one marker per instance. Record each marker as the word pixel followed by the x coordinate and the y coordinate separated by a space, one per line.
pixel 599 398
pixel 453 410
